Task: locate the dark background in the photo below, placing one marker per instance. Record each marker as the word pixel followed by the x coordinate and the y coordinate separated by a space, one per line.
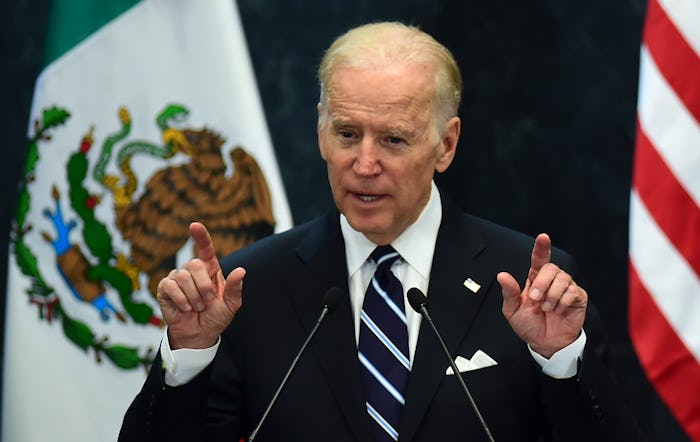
pixel 547 124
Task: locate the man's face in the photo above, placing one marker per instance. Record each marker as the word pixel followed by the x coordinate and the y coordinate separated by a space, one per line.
pixel 381 147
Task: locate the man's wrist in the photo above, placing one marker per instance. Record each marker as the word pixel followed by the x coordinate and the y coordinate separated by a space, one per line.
pixel 196 342
pixel 184 364
pixel 563 364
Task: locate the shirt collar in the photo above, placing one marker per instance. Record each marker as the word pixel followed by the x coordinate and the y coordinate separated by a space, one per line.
pixel 416 244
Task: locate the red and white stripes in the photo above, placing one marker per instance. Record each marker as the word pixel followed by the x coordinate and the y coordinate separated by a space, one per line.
pixel 664 298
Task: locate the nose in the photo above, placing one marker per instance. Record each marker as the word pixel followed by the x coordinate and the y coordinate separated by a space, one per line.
pixel 366 159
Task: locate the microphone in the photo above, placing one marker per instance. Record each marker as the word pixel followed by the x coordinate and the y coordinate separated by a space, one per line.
pixel 419 303
pixel 330 301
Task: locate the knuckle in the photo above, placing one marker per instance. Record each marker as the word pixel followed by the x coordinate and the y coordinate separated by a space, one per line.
pixel 188 264
pixel 193 264
pixel 551 267
pixel 165 296
pixel 160 289
pixel 563 278
pixel 180 276
pixel 574 295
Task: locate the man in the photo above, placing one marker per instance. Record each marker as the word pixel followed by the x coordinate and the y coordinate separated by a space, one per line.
pixel 387 122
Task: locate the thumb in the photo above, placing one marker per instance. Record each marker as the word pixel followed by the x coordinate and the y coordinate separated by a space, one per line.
pixel 511 293
pixel 233 289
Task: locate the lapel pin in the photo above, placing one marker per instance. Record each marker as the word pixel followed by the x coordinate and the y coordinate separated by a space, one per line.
pixel 472 285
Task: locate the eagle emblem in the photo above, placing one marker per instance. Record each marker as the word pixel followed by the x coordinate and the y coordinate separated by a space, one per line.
pixel 117 222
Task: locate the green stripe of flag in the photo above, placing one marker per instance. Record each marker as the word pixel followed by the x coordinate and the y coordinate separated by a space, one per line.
pixel 72 21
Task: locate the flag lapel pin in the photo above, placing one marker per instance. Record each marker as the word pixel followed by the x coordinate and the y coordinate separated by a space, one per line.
pixel 472 285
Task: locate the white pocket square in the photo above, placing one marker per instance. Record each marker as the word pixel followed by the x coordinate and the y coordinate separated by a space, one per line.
pixel 479 360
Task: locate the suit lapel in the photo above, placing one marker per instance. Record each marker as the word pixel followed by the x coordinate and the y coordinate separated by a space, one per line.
pixel 452 307
pixel 322 253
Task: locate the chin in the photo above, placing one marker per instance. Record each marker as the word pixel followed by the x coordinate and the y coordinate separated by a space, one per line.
pixel 374 233
pixel 365 226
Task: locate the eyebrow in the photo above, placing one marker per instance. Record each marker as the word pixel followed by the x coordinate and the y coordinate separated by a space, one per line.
pixel 400 130
pixel 339 122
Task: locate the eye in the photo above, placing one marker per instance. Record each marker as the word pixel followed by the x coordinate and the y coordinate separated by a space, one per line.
pixel 394 141
pixel 346 134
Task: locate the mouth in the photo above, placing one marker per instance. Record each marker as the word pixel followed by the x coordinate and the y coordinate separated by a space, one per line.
pixel 367 198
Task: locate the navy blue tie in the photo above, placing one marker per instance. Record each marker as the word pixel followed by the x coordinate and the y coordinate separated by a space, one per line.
pixel 383 346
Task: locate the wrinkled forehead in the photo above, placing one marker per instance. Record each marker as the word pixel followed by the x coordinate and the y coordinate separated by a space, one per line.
pixel 384 83
pixel 398 99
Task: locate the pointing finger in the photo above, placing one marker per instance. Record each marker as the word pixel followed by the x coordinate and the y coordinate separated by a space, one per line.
pixel 541 254
pixel 204 249
pixel 203 244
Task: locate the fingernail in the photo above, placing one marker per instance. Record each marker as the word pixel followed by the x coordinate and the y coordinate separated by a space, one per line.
pixel 535 294
pixel 546 306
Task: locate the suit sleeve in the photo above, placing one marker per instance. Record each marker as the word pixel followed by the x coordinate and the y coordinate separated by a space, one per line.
pixel 588 406
pixel 190 412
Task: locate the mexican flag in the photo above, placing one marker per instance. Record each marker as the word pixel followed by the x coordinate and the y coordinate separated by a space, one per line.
pixel 146 118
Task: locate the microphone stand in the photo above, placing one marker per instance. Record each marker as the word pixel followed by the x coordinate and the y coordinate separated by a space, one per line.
pixel 330 302
pixel 419 303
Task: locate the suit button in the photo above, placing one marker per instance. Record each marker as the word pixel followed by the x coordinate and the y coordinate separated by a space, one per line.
pixel 595 406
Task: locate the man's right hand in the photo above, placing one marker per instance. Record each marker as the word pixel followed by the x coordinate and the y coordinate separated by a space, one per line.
pixel 196 301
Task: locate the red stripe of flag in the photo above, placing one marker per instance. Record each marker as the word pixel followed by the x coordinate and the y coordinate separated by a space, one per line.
pixel 677 61
pixel 670 205
pixel 669 365
pixel 672 368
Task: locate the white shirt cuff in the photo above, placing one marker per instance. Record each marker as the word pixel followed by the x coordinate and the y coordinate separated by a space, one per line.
pixel 182 365
pixel 564 363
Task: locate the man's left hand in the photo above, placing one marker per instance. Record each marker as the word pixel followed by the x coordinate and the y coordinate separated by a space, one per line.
pixel 548 313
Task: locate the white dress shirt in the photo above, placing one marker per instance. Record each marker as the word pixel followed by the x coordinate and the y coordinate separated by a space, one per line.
pixel 416 246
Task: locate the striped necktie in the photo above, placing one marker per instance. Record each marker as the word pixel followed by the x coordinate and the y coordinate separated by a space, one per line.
pixel 383 346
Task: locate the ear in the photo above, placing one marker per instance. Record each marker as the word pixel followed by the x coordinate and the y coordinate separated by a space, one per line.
pixel 448 144
pixel 320 133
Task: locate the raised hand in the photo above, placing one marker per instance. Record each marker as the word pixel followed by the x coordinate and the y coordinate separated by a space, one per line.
pixel 196 301
pixel 548 313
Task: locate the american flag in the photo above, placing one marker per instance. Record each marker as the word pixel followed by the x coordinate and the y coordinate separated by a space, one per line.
pixel 664 253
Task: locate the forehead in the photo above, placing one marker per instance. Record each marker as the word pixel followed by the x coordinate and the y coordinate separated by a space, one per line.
pixel 406 90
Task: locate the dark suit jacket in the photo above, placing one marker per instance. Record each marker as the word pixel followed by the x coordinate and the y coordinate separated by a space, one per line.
pixel 287 277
